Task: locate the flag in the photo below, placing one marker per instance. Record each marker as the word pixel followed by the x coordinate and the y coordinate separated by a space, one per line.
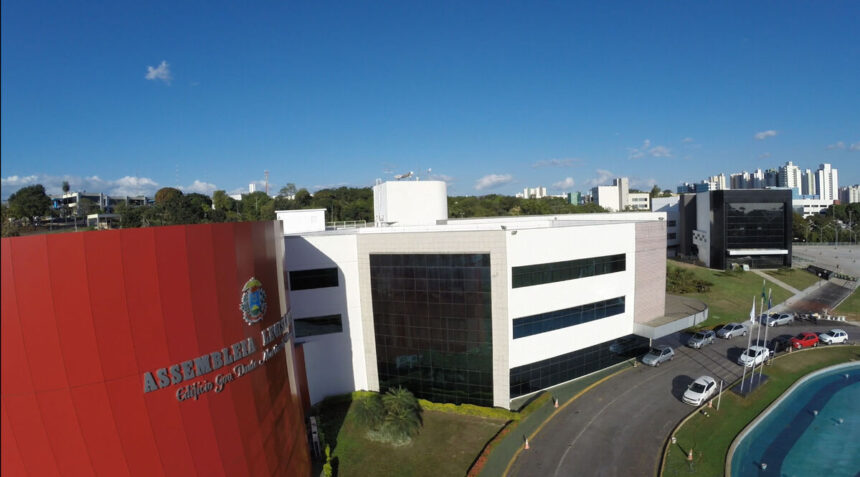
pixel 763 294
pixel 752 313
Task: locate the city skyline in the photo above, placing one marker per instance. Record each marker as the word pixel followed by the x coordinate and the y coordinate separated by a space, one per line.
pixel 125 99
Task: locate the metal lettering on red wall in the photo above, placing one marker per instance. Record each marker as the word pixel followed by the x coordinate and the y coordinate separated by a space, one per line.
pixel 155 351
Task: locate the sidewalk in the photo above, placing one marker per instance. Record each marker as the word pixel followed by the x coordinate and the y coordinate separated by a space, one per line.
pixel 778 282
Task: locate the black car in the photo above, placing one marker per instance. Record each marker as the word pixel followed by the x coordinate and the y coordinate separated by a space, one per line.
pixel 780 343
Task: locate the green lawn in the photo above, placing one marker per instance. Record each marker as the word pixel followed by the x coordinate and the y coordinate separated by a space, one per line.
pixel 850 307
pixel 800 279
pixel 447 444
pixel 730 297
pixel 711 437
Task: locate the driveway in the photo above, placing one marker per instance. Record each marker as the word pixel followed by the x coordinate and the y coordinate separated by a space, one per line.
pixel 619 427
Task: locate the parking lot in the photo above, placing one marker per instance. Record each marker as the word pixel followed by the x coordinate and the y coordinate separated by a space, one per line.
pixel 619 427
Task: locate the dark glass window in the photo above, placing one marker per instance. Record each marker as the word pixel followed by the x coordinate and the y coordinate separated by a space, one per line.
pixel 433 325
pixel 671 236
pixel 554 320
pixel 318 325
pixel 670 223
pixel 549 372
pixel 529 275
pixel 309 279
pixel 755 225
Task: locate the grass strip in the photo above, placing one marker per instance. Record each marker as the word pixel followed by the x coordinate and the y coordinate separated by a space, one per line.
pixel 711 437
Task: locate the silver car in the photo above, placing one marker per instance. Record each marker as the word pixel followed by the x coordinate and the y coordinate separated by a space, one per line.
pixel 701 338
pixel 701 389
pixel 775 319
pixel 754 356
pixel 657 354
pixel 731 330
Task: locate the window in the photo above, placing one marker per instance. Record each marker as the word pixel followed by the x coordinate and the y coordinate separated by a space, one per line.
pixel 309 279
pixel 672 236
pixel 670 223
pixel 432 320
pixel 318 325
pixel 530 275
pixel 554 320
pixel 543 374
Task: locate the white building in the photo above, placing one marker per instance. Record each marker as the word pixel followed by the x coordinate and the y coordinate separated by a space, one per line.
pixel 827 182
pixel 617 197
pixel 669 205
pixel 538 192
pixel 849 194
pixel 809 207
pixel 808 183
pixel 474 310
pixel 790 176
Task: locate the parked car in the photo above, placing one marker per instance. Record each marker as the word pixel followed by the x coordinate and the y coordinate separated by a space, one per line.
pixel 700 391
pixel 775 319
pixel 657 354
pixel 780 343
pixel 731 330
pixel 833 336
pixel 701 338
pixel 754 356
pixel 804 340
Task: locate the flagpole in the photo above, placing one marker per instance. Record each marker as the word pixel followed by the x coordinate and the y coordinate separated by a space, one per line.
pixel 757 336
pixel 769 306
pixel 752 320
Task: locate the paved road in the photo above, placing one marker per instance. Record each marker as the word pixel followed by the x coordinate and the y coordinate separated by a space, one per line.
pixel 619 427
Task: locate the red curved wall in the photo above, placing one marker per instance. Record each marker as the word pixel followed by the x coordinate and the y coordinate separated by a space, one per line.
pixel 86 315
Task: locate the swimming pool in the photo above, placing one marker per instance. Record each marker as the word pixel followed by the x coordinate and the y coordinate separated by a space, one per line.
pixel 813 429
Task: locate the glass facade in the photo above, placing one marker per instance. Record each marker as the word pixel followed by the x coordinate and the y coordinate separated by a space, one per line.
pixel 530 275
pixel 554 320
pixel 549 372
pixel 433 325
pixel 755 225
pixel 310 279
pixel 318 325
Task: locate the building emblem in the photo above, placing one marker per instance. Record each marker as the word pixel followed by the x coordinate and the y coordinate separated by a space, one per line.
pixel 253 304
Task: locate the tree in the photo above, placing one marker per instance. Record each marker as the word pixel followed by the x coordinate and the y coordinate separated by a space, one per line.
pixel 10 228
pixel 66 187
pixel 288 190
pixel 303 198
pixel 29 202
pixel 86 207
pixel 393 417
pixel 222 201
pixel 655 191
pixel 166 193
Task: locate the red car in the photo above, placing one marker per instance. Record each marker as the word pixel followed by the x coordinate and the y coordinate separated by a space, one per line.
pixel 804 340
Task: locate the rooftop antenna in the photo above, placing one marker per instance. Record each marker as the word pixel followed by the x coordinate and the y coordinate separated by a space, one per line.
pixel 267 182
pixel 404 176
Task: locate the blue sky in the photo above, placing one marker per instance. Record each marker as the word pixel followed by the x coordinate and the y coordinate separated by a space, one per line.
pixel 127 97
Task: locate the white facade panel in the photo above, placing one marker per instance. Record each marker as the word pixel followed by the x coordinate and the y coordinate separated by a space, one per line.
pixel 334 362
pixel 302 220
pixel 410 203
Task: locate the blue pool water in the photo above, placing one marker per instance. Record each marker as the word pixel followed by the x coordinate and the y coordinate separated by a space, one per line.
pixel 793 441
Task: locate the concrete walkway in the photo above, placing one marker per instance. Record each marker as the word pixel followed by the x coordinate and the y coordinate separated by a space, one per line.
pixel 778 282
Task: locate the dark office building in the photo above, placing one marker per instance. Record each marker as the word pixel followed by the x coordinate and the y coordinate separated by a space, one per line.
pixel 744 227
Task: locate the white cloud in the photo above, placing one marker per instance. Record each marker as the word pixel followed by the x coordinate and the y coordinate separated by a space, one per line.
pixel 567 162
pixel 643 184
pixel 855 147
pixel 567 183
pixel 764 155
pixel 687 140
pixel 441 177
pixel 492 181
pixel 647 150
pixel 127 185
pixel 603 177
pixel 761 136
pixel 200 187
pixel 837 145
pixel 162 72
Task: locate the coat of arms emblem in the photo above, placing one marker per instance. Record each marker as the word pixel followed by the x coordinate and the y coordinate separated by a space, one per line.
pixel 253 304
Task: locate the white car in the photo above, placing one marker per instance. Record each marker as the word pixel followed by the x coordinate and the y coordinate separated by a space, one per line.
pixel 754 356
pixel 833 336
pixel 700 391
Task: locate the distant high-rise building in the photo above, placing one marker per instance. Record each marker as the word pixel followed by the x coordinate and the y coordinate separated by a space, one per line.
pixel 739 180
pixel 849 194
pixel 790 176
pixel 771 178
pixel 827 182
pixel 807 182
pixel 756 180
pixel 717 182
pixel 533 193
